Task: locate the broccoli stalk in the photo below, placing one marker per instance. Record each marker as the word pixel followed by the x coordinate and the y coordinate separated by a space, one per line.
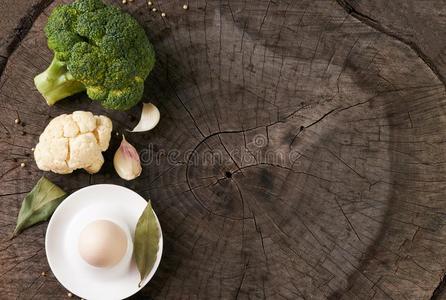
pixel 56 82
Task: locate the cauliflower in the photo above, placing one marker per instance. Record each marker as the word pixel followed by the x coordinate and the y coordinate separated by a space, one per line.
pixel 75 141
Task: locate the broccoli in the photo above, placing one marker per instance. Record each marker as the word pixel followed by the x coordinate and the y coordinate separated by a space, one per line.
pixel 97 48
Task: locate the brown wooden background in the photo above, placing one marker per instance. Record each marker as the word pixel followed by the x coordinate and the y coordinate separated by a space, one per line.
pixel 300 154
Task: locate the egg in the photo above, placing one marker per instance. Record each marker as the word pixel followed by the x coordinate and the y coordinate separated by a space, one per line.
pixel 102 243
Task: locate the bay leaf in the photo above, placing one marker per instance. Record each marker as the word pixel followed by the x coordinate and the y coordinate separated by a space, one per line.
pixel 39 204
pixel 145 245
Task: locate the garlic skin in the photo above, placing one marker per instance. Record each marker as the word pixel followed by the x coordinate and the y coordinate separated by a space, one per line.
pixel 126 161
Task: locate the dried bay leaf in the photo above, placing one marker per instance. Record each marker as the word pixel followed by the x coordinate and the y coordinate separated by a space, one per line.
pixel 145 246
pixel 39 204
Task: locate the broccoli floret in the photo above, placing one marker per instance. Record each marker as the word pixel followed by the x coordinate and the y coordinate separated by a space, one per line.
pixel 98 49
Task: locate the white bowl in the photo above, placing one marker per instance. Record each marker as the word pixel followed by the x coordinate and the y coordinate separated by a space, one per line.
pixel 97 202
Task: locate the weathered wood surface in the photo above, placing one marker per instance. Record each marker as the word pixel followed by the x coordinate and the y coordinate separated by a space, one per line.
pixel 300 152
pixel 17 18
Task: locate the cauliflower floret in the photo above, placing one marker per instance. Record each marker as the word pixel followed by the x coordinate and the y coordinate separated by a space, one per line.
pixel 85 120
pixel 70 127
pixel 54 129
pixel 61 126
pixel 103 131
pixel 51 155
pixel 84 151
pixel 72 142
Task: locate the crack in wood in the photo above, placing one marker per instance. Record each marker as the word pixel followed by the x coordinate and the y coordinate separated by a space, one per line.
pixel 438 292
pixel 20 32
pixel 377 26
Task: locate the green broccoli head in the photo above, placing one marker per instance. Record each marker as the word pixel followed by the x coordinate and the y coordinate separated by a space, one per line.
pixel 97 48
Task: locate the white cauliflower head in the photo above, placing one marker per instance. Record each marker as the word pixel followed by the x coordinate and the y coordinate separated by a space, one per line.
pixel 75 141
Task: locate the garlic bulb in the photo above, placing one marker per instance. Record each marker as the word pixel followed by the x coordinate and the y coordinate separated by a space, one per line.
pixel 126 161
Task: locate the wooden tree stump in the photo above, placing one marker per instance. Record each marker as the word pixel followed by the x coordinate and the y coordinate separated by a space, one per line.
pixel 300 154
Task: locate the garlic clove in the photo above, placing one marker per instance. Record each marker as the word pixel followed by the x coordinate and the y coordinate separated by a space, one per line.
pixel 126 161
pixel 150 116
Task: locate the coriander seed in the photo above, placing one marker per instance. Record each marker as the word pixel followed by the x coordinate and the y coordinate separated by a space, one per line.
pixel 163 15
pixel 185 6
pixel 149 3
pixel 17 121
pixel 154 9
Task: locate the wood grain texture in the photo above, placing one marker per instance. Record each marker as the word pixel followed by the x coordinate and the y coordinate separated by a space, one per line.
pixel 300 154
pixel 17 18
